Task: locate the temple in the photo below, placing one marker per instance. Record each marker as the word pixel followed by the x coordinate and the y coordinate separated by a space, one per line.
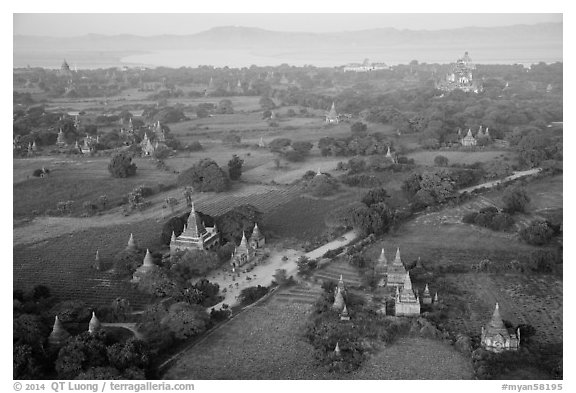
pixel 332 116
pixel 426 297
pixel 381 269
pixel 338 304
pixel 460 76
pixel 468 140
pixel 243 254
pixel 131 243
pixel 147 266
pixel 257 239
pixel 59 335
pixel 495 336
pixel 396 272
pixel 407 304
pixel 195 235
pixel 94 324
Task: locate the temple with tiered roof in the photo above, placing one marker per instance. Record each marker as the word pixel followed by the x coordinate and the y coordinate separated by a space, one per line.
pixel 195 235
pixel 407 304
pixel 461 76
pixel 495 336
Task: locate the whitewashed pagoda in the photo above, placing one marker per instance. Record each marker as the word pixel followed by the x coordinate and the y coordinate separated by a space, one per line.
pixel 396 271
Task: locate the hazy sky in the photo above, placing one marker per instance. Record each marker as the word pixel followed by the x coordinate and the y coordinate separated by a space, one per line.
pixel 62 25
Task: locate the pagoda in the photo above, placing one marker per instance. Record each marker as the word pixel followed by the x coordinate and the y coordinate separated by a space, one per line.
pixel 407 304
pixel 131 243
pixel 396 271
pixel 257 239
pixel 59 335
pixel 243 254
pixel 495 336
pixel 61 140
pixel 381 269
pixel 426 297
pixel 94 324
pixel 332 116
pixel 147 266
pixel 344 316
pixel 468 140
pixel 195 235
pixel 338 304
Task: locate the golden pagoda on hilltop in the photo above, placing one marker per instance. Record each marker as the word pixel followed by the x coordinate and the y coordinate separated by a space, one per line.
pixel 495 336
pixel 195 235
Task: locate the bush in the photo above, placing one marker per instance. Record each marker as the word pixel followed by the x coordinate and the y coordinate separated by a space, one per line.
pixel 121 166
pixel 251 294
pixel 542 261
pixel 537 233
pixel 281 278
pixel 515 200
pixel 306 265
pixel 206 175
pixel 440 161
pixel 322 185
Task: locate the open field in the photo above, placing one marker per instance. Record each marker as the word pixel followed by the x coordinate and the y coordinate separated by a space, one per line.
pixel 64 263
pixel 265 342
pixel 462 157
pixel 523 299
pixel 77 179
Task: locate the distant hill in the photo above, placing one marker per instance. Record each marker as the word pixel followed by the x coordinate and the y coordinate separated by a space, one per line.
pixel 545 36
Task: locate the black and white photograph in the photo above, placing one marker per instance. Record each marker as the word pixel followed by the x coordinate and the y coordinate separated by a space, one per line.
pixel 270 196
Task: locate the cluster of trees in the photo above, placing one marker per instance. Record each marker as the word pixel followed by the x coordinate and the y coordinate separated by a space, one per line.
pixel 371 215
pixel 490 217
pixel 291 150
pixel 121 166
pixel 355 338
pixel 102 355
pixel 375 143
pixel 429 188
pixel 320 185
pixel 539 232
pixel 205 175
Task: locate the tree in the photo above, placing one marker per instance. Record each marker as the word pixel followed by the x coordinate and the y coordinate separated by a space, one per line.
pixel 121 166
pixel 537 233
pixel 206 175
pixel 235 167
pixel 267 103
pixel 375 195
pixel 251 294
pixel 237 220
pixel 132 353
pixel 185 320
pixel 515 200
pixel 302 147
pixel 80 353
pixel 359 129
pixel 322 185
pixel 225 107
pixel 542 261
pixel 193 263
pixel 279 144
pixel 440 161
pixel 306 265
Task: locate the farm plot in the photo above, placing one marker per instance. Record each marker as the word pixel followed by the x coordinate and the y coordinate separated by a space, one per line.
pixel 523 299
pixel 303 218
pixel 80 180
pixel 266 342
pixel 64 263
pixel 461 157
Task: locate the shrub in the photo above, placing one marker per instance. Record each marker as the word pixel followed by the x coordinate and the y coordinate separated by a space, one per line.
pixel 235 167
pixel 515 200
pixel 206 175
pixel 542 261
pixel 251 294
pixel 537 233
pixel 281 278
pixel 440 161
pixel 322 185
pixel 121 166
pixel 195 146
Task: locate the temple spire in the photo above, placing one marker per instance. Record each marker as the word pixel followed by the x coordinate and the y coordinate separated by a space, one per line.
pixel 397 259
pixel 131 242
pixel 337 349
pixel 382 257
pixel 58 335
pixel 148 261
pixel 94 324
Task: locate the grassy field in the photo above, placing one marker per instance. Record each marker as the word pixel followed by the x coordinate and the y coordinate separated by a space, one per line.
pixel 266 342
pixel 462 157
pixel 77 179
pixel 64 263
